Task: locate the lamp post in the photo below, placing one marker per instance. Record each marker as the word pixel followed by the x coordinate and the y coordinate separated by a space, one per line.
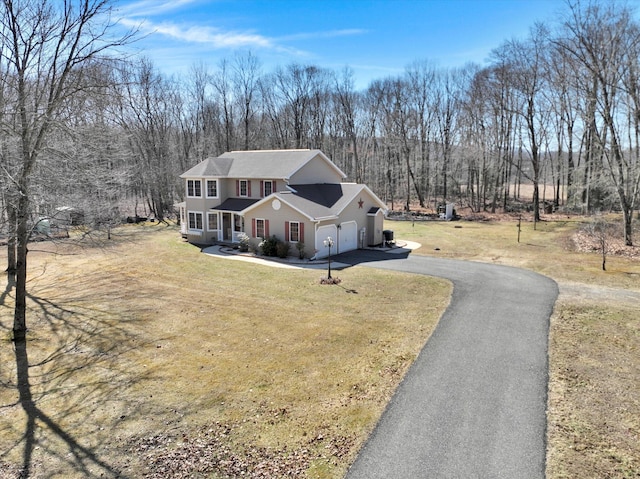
pixel 329 243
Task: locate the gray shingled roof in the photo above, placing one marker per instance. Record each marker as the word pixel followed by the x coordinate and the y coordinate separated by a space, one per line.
pixel 321 200
pixel 214 167
pixel 253 164
pixel 235 204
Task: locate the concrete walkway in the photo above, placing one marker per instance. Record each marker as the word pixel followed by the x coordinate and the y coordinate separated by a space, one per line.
pixel 473 404
pixel 226 252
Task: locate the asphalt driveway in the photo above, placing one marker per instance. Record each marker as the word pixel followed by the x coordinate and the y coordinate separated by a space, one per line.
pixel 473 403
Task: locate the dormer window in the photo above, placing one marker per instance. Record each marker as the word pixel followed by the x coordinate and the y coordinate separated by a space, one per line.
pixel 194 188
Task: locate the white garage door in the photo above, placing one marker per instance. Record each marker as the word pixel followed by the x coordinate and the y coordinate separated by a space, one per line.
pixel 348 236
pixel 321 234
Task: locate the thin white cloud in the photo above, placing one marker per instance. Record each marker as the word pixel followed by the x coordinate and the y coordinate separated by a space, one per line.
pixel 328 34
pixel 146 8
pixel 140 15
pixel 213 36
pixel 208 36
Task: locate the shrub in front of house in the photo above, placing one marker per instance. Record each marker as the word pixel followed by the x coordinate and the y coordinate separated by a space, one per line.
pixel 282 249
pixel 268 246
pixel 244 241
pixel 300 247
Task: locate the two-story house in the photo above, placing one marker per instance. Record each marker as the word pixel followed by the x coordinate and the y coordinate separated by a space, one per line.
pixel 296 195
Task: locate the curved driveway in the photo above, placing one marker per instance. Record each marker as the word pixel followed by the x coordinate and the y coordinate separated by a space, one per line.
pixel 473 403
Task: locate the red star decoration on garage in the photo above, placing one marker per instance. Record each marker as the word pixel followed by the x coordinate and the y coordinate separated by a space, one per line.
pixel 360 203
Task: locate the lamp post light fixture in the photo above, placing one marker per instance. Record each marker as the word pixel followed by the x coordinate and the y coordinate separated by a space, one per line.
pixel 329 243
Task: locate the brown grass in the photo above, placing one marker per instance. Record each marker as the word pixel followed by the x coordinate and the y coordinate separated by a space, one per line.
pixel 150 358
pixel 594 398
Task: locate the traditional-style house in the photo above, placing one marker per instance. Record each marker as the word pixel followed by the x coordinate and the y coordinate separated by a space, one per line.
pixel 296 195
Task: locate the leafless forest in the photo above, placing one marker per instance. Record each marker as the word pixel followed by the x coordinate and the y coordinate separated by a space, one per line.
pixel 94 135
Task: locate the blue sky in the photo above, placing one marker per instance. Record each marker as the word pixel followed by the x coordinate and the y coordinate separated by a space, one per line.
pixel 375 38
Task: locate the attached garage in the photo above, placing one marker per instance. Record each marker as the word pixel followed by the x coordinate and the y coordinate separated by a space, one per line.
pixel 345 238
pixel 322 233
pixel 348 236
pixel 339 211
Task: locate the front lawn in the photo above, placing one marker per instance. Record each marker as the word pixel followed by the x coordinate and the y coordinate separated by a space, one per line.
pixel 149 358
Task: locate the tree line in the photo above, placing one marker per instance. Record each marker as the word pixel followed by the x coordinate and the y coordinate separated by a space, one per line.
pixel 83 129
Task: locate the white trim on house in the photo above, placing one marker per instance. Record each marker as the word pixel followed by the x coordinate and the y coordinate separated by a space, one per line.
pixel 183 217
pixel 206 184
pixel 195 231
pixel 290 238
pixel 217 225
pixel 321 233
pixel 217 231
pixel 246 188
pixel 358 193
pixel 282 200
pixel 194 180
pixel 347 236
pixel 264 228
pixel 263 185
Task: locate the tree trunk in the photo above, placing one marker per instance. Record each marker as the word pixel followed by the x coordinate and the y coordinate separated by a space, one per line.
pixel 536 202
pixel 11 241
pixel 22 238
pixel 628 225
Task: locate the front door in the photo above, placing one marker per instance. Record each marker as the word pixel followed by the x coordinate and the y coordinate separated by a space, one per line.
pixel 227 231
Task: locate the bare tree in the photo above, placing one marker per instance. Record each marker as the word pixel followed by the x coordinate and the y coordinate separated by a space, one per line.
pixel 246 72
pixel 599 230
pixel 46 46
pixel 347 102
pixel 449 87
pixel 421 76
pixel 294 88
pixel 147 113
pixel 199 105
pixel 221 82
pixel 526 62
pixel 605 40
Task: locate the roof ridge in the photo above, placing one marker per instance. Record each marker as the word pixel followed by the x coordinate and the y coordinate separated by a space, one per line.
pixel 270 151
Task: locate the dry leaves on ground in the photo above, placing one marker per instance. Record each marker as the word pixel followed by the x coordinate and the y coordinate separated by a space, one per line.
pixel 211 451
pixel 585 242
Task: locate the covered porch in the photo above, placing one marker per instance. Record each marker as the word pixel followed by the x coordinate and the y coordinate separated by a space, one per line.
pixel 227 219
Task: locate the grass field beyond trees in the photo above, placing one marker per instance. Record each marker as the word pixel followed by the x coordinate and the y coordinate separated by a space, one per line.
pixel 148 358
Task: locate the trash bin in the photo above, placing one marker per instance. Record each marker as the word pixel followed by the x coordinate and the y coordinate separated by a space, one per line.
pixel 388 236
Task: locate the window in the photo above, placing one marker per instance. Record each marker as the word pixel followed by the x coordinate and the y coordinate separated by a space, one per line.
pixel 238 222
pixel 294 231
pixel 244 188
pixel 194 188
pixel 268 188
pixel 195 220
pixel 212 219
pixel 260 229
pixel 212 188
